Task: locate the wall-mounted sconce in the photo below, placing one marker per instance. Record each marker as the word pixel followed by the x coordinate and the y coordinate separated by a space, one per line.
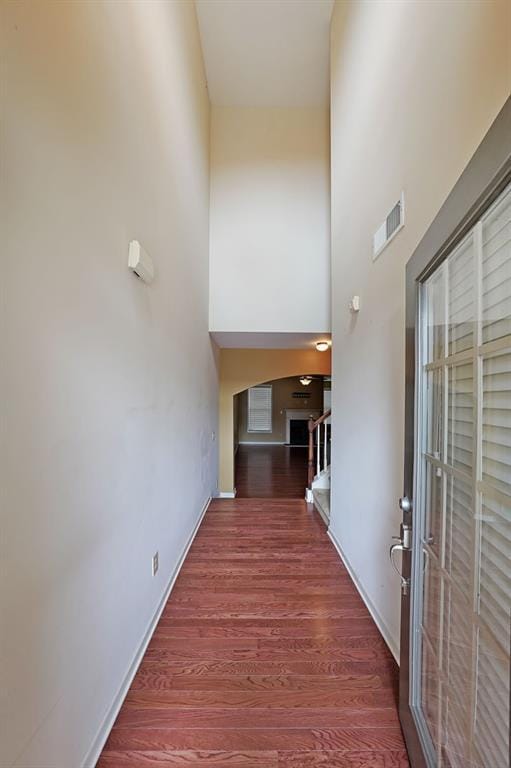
pixel 140 262
pixel 354 304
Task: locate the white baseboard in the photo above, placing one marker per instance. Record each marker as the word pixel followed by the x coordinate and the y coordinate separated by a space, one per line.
pixel 96 748
pixel 226 494
pixel 378 620
pixel 261 442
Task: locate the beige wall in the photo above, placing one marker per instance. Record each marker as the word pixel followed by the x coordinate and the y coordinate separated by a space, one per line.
pixel 243 368
pixel 109 386
pixel 415 87
pixel 270 220
pixel 236 420
pixel 282 399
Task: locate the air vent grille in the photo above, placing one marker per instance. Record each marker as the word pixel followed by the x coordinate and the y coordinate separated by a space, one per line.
pixel 389 228
pixel 393 219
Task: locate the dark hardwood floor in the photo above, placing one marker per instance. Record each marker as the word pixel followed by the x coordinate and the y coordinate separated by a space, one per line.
pixel 265 656
pixel 271 471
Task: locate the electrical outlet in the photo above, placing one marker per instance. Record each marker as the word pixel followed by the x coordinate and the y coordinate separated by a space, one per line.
pixel 155 563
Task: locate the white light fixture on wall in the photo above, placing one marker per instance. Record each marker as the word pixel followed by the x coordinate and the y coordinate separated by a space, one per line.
pixel 140 262
pixel 305 380
pixel 322 346
pixel 354 305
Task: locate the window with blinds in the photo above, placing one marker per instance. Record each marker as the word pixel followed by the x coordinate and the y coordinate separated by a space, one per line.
pixel 464 653
pixel 259 409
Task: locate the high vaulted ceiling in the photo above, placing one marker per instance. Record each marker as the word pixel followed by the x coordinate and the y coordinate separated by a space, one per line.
pixel 266 53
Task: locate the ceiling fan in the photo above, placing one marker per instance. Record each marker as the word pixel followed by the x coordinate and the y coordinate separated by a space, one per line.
pixel 306 379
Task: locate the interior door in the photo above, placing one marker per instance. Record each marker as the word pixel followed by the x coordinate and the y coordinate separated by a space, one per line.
pixel 456 533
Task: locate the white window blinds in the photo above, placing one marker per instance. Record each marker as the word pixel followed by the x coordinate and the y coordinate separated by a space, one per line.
pixel 467 497
pixel 259 409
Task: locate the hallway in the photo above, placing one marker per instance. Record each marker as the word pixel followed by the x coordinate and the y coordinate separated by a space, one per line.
pixel 265 656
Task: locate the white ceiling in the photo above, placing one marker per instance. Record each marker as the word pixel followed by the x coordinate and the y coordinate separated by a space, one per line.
pixel 249 340
pixel 266 53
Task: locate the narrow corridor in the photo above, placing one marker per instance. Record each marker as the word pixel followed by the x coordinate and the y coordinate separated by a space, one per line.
pixel 265 656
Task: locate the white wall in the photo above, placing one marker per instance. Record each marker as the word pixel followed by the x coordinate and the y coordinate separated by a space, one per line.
pixel 415 86
pixel 109 387
pixel 270 226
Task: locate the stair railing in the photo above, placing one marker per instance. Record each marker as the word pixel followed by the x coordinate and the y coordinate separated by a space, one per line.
pixel 322 459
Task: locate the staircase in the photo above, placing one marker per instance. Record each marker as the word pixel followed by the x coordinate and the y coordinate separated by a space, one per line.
pixel 318 487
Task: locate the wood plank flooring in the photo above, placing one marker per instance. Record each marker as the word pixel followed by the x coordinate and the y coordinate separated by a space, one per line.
pixel 271 471
pixel 265 656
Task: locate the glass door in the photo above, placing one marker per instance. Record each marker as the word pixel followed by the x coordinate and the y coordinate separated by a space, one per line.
pixel 458 621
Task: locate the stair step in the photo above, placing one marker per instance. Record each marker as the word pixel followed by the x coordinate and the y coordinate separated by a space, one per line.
pixel 321 498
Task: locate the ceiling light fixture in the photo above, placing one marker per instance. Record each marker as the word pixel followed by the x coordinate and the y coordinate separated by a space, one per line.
pixel 322 346
pixel 305 380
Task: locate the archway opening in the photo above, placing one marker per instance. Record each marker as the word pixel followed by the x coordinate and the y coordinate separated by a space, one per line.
pixel 271 435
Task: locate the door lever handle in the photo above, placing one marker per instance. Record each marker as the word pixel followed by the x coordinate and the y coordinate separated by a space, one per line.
pixel 395 548
pixel 405 583
pixel 403 545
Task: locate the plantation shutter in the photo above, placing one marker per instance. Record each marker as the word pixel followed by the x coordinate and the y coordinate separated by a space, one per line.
pixel 259 409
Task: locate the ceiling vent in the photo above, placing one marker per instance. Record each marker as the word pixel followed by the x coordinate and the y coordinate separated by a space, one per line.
pixel 390 227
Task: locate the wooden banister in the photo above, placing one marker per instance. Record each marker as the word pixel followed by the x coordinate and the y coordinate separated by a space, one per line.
pixel 313 424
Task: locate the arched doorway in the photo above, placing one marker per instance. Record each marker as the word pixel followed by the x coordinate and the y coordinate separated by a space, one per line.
pixel 271 435
pixel 241 369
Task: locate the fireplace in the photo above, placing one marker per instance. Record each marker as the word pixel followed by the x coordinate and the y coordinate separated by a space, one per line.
pixel 298 432
pixel 297 425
